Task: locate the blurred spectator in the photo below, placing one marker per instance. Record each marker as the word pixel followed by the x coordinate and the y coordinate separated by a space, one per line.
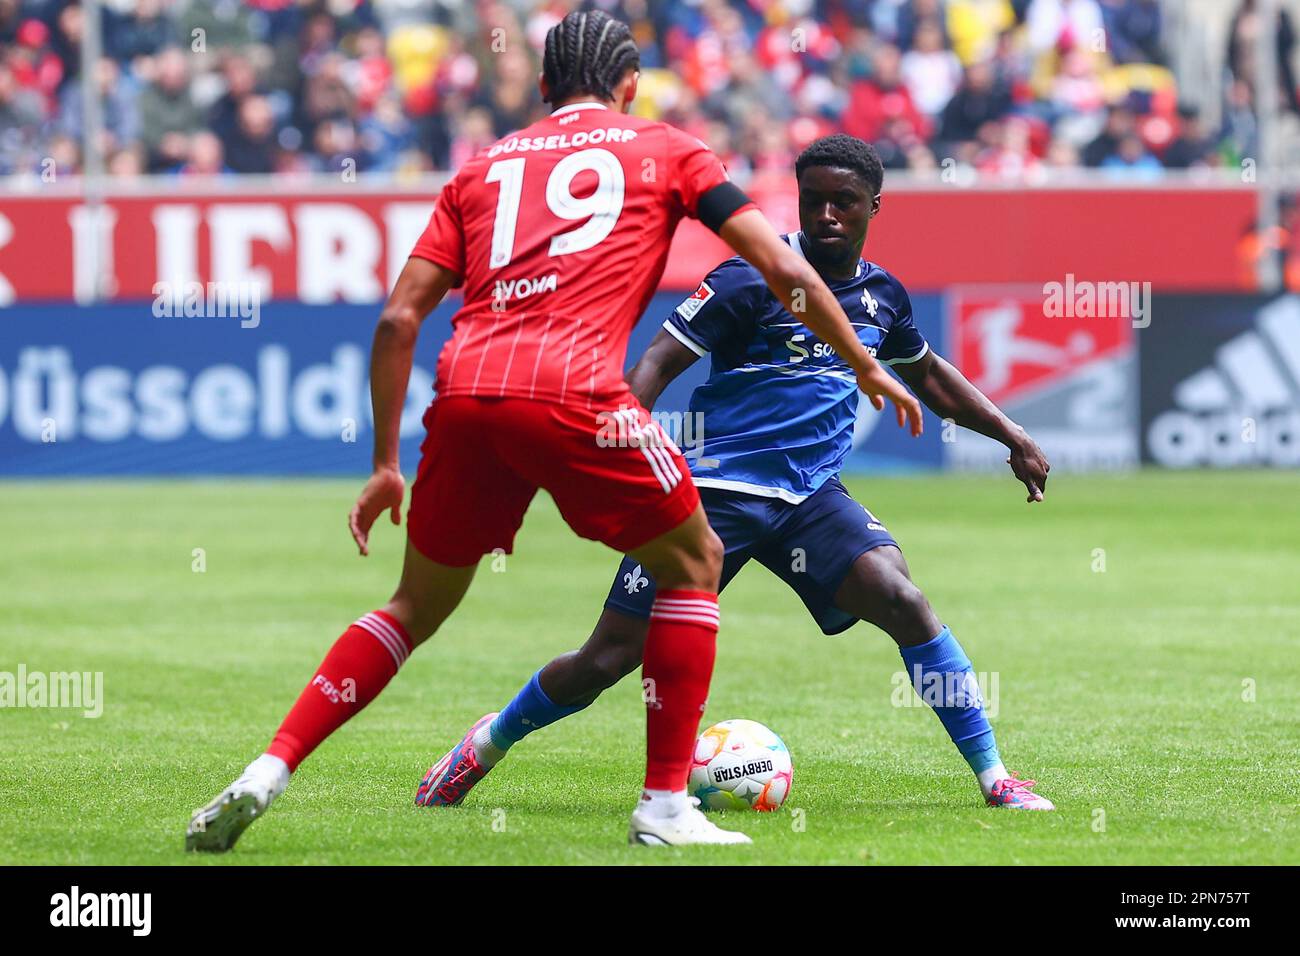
pixel 211 25
pixel 475 133
pixel 915 16
pixel 749 89
pixel 1007 154
pixel 1193 146
pixel 511 97
pixel 975 25
pixel 999 87
pixel 335 147
pixel 369 73
pixel 386 136
pixel 126 163
pixel 21 113
pixel 1077 88
pixel 1133 29
pixel 921 160
pixel 1063 25
pixel 168 114
pixel 10 17
pixel 250 147
pixel 34 63
pixel 1120 123
pixel 239 81
pixel 1011 67
pixel 118 111
pixel 206 157
pixel 1061 154
pixel 63 158
pixel 1239 137
pixel 325 95
pixel 930 71
pixel 883 100
pixel 978 101
pixel 65 40
pixel 772 152
pixel 142 33
pixel 1131 160
pixel 1242 43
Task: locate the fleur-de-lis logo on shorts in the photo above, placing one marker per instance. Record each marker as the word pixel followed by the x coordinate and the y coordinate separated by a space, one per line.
pixel 634 580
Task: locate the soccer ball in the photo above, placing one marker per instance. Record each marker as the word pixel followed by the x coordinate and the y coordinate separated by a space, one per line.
pixel 740 765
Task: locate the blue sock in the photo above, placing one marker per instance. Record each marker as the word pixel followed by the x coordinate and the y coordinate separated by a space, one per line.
pixel 530 710
pixel 942 675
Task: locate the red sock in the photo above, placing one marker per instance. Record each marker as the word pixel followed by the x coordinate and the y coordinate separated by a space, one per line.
pixel 679 651
pixel 356 669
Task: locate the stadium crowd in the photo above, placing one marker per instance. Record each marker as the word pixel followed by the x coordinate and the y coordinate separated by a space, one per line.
pixel 992 88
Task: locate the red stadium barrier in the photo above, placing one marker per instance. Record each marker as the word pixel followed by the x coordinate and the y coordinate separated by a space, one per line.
pixel 348 244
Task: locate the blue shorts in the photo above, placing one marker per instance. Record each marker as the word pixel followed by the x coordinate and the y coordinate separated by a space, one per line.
pixel 810 546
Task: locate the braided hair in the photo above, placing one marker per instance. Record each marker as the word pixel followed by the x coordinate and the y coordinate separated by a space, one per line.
pixel 588 53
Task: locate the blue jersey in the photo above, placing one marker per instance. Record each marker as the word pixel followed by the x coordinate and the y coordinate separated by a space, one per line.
pixel 779 405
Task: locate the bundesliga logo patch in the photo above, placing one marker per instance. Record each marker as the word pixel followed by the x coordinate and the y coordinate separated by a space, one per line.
pixel 696 302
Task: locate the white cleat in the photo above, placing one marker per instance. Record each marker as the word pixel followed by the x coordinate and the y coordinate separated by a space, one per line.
pixel 215 827
pixel 682 828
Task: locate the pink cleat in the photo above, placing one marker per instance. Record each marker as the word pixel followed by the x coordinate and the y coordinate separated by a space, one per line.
pixel 450 780
pixel 1018 795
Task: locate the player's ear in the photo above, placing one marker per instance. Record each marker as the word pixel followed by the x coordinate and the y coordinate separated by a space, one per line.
pixel 875 205
pixel 625 92
pixel 544 87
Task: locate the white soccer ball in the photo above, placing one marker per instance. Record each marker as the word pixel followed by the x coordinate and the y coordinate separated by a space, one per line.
pixel 740 765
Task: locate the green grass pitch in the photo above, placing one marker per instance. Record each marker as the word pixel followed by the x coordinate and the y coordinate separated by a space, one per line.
pixel 1157 702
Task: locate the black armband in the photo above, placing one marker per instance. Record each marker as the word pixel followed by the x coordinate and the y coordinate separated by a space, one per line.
pixel 719 204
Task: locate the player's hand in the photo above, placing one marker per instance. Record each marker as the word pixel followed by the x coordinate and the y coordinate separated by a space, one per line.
pixel 877 385
pixel 1029 464
pixel 385 491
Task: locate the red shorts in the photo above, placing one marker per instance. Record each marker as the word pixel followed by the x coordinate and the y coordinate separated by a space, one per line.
pixel 615 476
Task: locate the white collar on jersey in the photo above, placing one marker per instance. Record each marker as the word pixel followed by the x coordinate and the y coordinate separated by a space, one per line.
pixel 573 107
pixel 794 239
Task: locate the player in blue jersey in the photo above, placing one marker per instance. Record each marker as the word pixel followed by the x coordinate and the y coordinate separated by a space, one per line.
pixel 779 409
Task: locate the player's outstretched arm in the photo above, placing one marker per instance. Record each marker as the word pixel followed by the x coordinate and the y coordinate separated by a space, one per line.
pixel 802 291
pixel 663 361
pixel 419 289
pixel 949 394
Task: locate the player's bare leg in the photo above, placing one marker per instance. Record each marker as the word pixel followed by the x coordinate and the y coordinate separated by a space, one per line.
pixel 359 665
pixel 615 649
pixel 880 590
pixel 427 594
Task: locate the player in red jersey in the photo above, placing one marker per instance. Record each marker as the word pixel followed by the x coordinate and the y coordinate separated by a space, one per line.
pixel 559 235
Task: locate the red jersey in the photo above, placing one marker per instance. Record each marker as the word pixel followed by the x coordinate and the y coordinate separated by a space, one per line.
pixel 560 233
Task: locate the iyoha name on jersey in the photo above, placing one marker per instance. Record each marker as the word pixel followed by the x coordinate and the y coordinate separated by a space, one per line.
pixel 509 289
